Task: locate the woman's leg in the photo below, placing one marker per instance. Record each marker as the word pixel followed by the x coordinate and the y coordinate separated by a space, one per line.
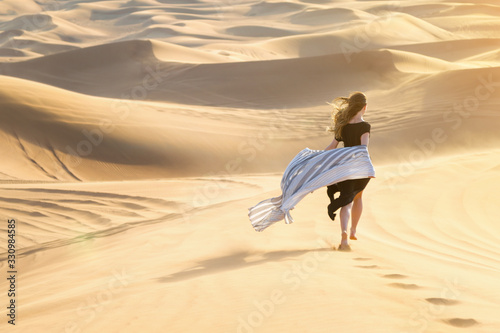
pixel 345 214
pixel 357 209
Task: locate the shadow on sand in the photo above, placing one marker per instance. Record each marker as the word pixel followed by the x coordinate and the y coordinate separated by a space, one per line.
pixel 234 261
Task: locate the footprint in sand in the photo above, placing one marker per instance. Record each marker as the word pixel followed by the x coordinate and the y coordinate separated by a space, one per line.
pixel 441 301
pixel 394 276
pixel 362 259
pixel 461 322
pixel 408 286
pixel 367 266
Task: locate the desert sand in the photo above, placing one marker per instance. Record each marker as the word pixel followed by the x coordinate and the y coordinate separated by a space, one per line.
pixel 136 134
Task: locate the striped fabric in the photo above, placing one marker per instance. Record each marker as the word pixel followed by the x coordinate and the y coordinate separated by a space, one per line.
pixel 308 171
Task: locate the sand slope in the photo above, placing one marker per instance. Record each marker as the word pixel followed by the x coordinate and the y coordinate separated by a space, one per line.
pixel 136 134
pixel 53 134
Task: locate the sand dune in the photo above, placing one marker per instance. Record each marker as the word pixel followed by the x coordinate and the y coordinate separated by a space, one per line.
pixel 117 69
pixel 401 29
pixel 55 135
pixel 404 78
pixel 13 7
pixel 328 16
pixel 136 134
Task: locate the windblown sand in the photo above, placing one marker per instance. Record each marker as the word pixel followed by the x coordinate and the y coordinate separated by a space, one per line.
pixel 135 135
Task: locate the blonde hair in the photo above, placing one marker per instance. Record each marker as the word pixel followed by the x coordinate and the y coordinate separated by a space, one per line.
pixel 344 109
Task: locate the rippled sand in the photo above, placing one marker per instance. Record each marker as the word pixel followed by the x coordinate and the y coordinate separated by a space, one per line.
pixel 137 133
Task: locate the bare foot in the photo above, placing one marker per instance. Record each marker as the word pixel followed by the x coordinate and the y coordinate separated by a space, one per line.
pixel 353 234
pixel 344 247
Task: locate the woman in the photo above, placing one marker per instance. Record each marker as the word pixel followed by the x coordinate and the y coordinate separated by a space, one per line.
pixel 349 127
pixel 310 170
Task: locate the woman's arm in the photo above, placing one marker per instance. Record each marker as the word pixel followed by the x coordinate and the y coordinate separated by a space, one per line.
pixel 365 138
pixel 332 145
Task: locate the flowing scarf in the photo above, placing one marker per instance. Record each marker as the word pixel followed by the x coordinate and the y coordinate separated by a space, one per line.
pixel 308 171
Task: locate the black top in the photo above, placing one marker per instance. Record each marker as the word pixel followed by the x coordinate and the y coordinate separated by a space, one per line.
pixel 351 133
